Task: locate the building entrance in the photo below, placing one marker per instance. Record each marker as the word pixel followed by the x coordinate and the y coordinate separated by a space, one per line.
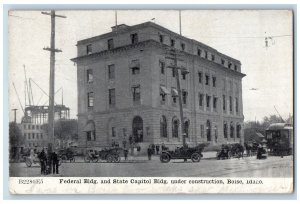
pixel 137 129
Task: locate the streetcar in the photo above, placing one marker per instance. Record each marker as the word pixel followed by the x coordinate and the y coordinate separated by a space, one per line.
pixel 279 138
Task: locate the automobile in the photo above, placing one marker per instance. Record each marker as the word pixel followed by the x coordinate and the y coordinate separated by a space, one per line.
pixel 262 152
pixel 193 153
pixel 66 155
pixel 107 154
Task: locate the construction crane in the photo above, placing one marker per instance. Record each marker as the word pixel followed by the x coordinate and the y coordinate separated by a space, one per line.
pixel 279 114
pixel 19 99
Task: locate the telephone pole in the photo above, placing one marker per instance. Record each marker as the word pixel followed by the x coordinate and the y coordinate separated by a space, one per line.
pixel 52 51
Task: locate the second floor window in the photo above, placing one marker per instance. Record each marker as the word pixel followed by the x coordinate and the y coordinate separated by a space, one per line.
pixel 224 102
pixel 89 49
pixel 198 52
pixel 200 76
pixel 90 99
pixel 89 75
pixel 134 38
pixel 235 68
pixel 162 67
pixel 206 55
pixel 136 93
pixel 112 97
pixel 110 44
pixel 214 79
pixel 222 61
pixel 230 103
pixel 182 46
pixel 111 71
pixel 172 42
pixel 212 57
pixel 207 101
pixel 161 38
pixel 200 100
pixel 206 79
pixel 215 102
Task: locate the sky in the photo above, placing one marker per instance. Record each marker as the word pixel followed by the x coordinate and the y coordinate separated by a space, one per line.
pixel 238 34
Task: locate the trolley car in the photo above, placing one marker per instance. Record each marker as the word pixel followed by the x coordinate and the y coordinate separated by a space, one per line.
pixel 279 138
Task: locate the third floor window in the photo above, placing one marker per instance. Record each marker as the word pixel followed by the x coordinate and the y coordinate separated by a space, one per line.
pixel 110 44
pixel 111 71
pixel 134 38
pixel 89 75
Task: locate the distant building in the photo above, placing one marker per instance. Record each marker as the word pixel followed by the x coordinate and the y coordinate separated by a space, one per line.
pixel 125 89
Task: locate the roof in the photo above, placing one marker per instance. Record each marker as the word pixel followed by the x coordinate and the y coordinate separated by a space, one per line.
pixel 126 29
pixel 280 126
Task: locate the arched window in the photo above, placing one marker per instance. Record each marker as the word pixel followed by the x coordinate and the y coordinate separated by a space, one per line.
pixel 208 130
pixel 175 125
pixel 163 127
pixel 231 130
pixel 216 133
pixel 238 131
pixel 225 130
pixel 186 127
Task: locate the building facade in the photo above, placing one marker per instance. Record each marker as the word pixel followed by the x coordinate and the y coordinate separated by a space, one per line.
pixel 127 91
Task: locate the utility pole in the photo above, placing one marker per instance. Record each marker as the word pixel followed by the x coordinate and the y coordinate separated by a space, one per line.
pixel 52 80
pixel 173 56
pixel 15 115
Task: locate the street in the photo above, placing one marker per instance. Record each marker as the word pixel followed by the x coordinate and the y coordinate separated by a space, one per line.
pixel 141 167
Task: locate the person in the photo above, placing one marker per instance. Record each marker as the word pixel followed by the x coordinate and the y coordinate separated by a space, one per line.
pixel 149 151
pixel 42 157
pixel 157 149
pixel 163 147
pixel 125 154
pixel 54 160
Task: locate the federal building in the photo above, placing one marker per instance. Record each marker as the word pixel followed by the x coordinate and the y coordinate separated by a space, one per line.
pixel 127 90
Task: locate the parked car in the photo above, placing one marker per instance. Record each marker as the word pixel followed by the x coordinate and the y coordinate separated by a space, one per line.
pixel 107 154
pixel 193 153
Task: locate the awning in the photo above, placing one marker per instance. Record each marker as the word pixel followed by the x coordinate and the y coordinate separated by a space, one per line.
pixel 260 135
pixel 174 92
pixel 134 64
pixel 164 90
pixel 90 126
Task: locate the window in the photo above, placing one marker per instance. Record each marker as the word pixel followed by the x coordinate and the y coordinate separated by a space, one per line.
pixel 90 99
pixel 162 67
pixel 25 135
pixel 136 93
pixel 175 125
pixel 183 76
pixel 113 131
pixel 224 102
pixel 110 44
pixel 41 136
pixel 28 127
pixel 184 97
pixel 231 130
pixel 199 52
pixel 90 135
pixel 229 65
pixel 235 67
pixel 174 95
pixel 135 67
pixel 134 38
pixel 212 57
pixel 202 131
pixel 214 80
pixel 200 99
pixel 163 98
pixel 182 46
pixel 208 130
pixel 200 76
pixel 29 136
pixel 89 49
pixel 206 55
pixel 207 101
pixel 112 97
pixel 89 76
pixel 33 126
pixel 222 61
pixel 37 136
pixel 206 79
pixel 24 127
pixel 173 72
pixel 172 42
pixel 225 130
pixel 161 38
pixel 37 127
pixel 111 71
pixel 230 103
pixel 215 102
pixel 236 104
pixel 163 127
pixel 238 131
pixel 33 136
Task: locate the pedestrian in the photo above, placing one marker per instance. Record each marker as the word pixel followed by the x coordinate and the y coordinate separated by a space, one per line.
pixel 149 151
pixel 54 161
pixel 125 154
pixel 157 149
pixel 42 157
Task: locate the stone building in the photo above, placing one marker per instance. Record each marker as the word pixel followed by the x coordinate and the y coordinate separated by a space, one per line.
pixel 127 92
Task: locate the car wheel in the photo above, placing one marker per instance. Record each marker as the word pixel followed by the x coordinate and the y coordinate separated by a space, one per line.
pixel 195 157
pixel 164 158
pixel 117 158
pixel 109 158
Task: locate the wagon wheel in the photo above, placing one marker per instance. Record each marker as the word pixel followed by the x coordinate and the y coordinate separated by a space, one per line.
pixel 28 162
pixel 87 158
pixel 117 158
pixel 165 158
pixel 196 157
pixel 72 159
pixel 95 159
pixel 109 158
